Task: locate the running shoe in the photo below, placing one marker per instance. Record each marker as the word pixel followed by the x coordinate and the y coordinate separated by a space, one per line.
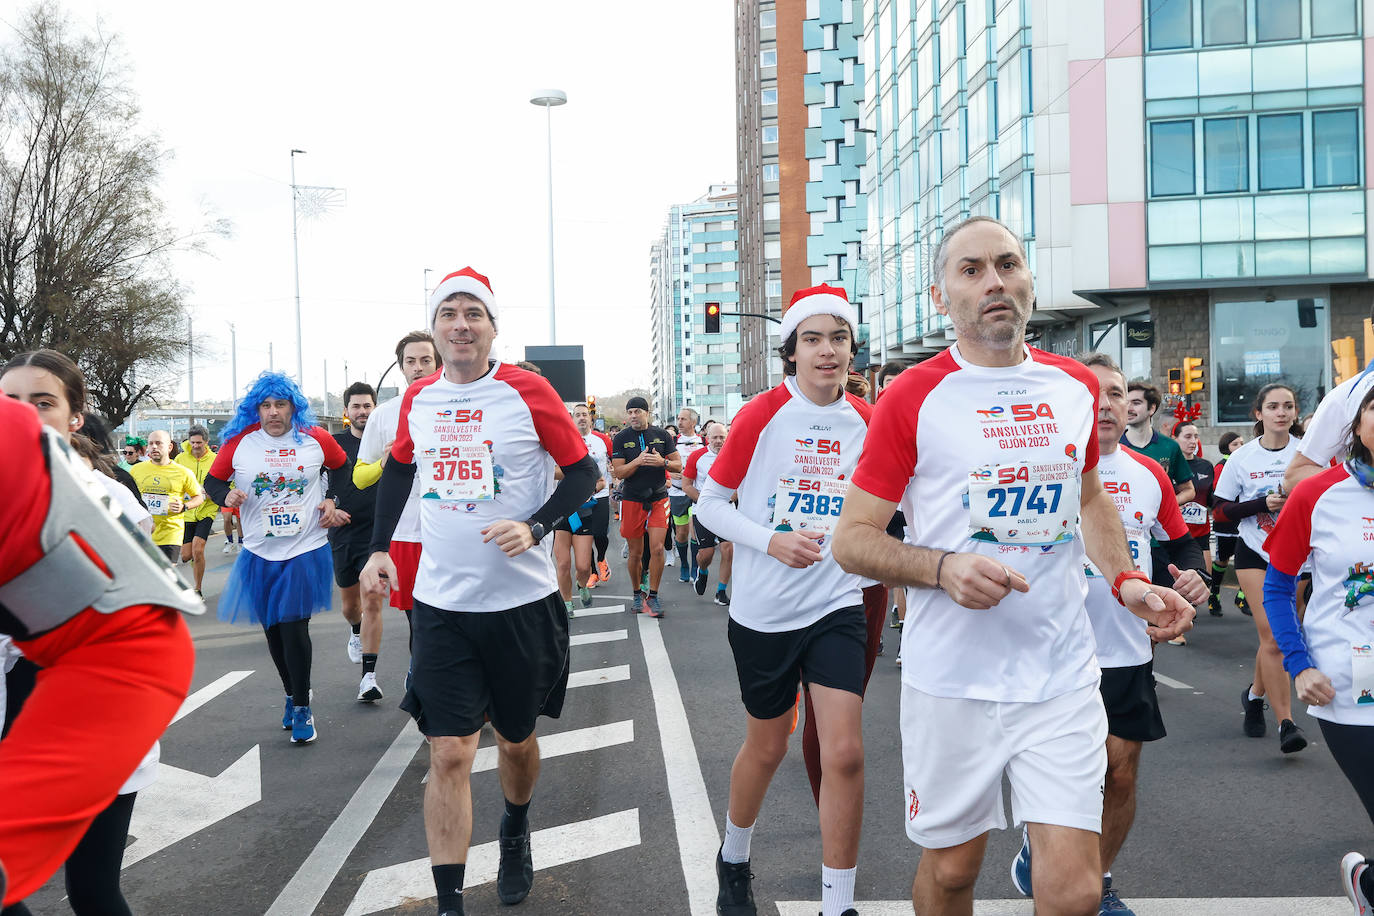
pixel 1111 903
pixel 685 577
pixel 568 606
pixel 593 580
pixel 1021 866
pixel 1214 605
pixel 603 571
pixel 585 593
pixel 228 547
pixel 896 623
pixel 899 658
pixel 1352 866
pixel 702 579
pixel 880 645
pixel 1255 726
pixel 515 871
pixel 288 715
pixel 355 648
pixel 736 894
pixel 644 583
pixel 1179 640
pixel 624 551
pixel 302 725
pixel 638 606
pixel 368 691
pixel 653 608
pixel 721 598
pixel 1291 738
pixel 1243 603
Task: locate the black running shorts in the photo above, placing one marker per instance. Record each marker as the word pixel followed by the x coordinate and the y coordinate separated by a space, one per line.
pixel 510 665
pixel 1247 558
pixel 350 556
pixel 706 538
pixel 1132 703
pixel 198 529
pixel 830 652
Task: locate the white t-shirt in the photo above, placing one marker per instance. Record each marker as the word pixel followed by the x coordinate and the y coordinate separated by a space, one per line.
pixel 698 466
pixel 381 429
pixel 1327 437
pixel 1144 496
pixel 282 478
pixel 787 458
pixel 485 451
pixel 600 450
pixel 1253 471
pixel 1329 519
pixel 947 431
pixel 685 446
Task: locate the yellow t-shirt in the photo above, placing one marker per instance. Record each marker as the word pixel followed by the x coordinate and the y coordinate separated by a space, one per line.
pixel 199 468
pixel 158 481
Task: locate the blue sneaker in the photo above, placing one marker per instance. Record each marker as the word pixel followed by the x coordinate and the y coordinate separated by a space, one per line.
pixel 638 606
pixel 1111 903
pixel 302 725
pixel 685 577
pixel 653 608
pixel 585 594
pixel 286 716
pixel 1021 866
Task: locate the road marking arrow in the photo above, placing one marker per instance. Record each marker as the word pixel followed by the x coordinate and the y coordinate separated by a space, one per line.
pixel 181 803
pixel 390 887
pixel 207 693
pixel 560 744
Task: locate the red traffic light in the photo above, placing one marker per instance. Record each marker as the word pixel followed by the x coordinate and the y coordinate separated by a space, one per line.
pixel 713 309
pixel 713 318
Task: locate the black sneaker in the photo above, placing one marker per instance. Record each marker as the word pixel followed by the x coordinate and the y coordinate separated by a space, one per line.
pixel 736 894
pixel 702 578
pixel 515 872
pixel 722 599
pixel 1254 715
pixel 1291 738
pixel 1214 605
pixel 1243 604
pixel 896 623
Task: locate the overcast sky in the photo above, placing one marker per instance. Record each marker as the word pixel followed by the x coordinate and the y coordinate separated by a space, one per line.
pixel 421 111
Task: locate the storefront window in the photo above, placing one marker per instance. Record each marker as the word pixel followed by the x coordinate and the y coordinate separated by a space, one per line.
pixel 1258 342
pixel 1127 340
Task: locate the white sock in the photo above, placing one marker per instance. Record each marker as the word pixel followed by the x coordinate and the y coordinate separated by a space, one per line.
pixel 735 850
pixel 837 890
pixel 1253 697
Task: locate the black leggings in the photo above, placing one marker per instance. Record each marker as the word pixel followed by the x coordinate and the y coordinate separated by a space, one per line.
pixel 1353 748
pixel 289 643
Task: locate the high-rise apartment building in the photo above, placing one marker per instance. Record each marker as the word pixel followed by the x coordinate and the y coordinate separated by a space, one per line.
pixel 694 262
pixel 1189 182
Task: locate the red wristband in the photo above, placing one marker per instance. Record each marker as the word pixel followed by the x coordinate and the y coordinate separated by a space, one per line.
pixel 1124 577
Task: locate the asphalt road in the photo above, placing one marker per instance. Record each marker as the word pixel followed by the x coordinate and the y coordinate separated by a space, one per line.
pixel 635 782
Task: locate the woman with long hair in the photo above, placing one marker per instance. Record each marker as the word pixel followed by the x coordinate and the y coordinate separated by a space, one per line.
pixel 276 456
pixel 1250 493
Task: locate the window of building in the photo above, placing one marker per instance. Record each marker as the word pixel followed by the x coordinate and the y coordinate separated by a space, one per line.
pixel 1280 151
pixel 1223 22
pixel 768 19
pixel 1171 158
pixel 1333 17
pixel 1225 155
pixel 1335 148
pixel 768 58
pixel 1278 20
pixel 770 172
pixel 1257 342
pixel 770 135
pixel 772 210
pixel 1171 23
pixel 770 97
pixel 1123 340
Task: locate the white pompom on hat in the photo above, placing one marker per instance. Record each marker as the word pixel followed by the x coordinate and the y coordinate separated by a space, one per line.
pixel 467 281
pixel 818 300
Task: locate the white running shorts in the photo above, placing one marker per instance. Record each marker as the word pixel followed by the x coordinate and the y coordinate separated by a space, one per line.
pixel 955 752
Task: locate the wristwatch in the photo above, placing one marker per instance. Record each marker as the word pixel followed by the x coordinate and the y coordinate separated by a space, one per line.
pixel 1125 576
pixel 537 531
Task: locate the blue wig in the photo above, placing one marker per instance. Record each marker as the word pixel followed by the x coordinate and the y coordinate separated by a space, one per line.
pixel 267 386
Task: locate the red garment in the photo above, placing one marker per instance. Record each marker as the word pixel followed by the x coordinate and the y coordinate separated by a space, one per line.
pixel 405 556
pixel 110 685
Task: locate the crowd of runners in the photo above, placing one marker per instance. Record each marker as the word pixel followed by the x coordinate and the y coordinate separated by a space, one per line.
pixel 1034 526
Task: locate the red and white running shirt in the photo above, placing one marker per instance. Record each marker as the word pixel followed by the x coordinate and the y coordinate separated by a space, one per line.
pixel 282 479
pixel 1253 471
pixel 485 451
pixel 699 465
pixel 788 458
pixel 1329 519
pixel 381 429
pixel 1145 498
pixel 972 453
pixel 599 447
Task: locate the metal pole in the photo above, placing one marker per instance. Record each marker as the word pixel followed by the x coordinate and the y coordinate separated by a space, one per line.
pixel 191 367
pixel 233 364
pixel 326 387
pixel 548 121
pixel 271 366
pixel 424 301
pixel 296 258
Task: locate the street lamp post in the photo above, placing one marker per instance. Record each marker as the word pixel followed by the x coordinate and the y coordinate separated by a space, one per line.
pixel 549 98
pixel 296 258
pixel 424 303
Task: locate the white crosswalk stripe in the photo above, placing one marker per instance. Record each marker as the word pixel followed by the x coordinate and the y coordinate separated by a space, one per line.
pixel 1143 906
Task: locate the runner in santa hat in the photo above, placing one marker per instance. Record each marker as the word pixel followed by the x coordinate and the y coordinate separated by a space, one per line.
pixel 796 617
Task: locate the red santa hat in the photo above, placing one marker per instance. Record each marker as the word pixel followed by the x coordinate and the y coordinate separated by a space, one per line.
pixel 467 281
pixel 818 300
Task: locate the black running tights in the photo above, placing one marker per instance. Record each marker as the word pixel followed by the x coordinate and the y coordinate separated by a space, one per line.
pixel 1353 748
pixel 602 542
pixel 289 643
pixel 92 871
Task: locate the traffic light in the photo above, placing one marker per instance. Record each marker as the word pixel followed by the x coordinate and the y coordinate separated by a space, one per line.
pixel 591 406
pixel 713 318
pixel 1345 364
pixel 1192 374
pixel 1175 381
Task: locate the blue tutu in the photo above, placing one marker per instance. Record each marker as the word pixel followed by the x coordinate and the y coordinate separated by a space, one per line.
pixel 268 592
